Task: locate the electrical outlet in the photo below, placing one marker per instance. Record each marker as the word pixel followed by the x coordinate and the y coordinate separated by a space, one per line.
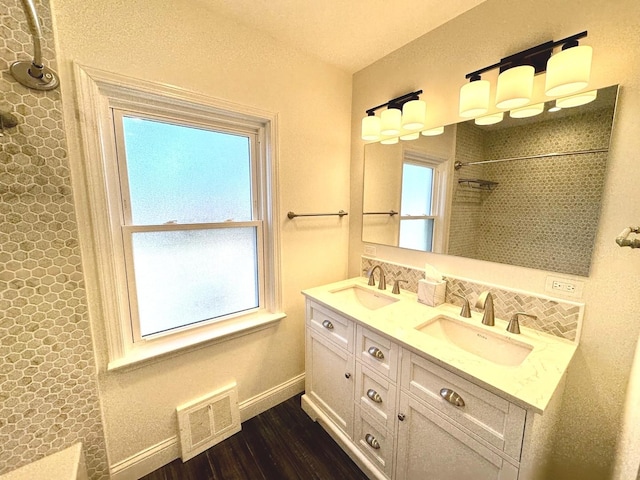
pixel 370 250
pixel 564 286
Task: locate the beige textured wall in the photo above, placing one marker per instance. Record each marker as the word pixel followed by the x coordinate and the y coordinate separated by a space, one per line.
pixel 437 63
pixel 183 44
pixel 48 389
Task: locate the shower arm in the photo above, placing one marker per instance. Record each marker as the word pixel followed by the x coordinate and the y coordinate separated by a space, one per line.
pixel 623 241
pixel 36 33
pixel 34 74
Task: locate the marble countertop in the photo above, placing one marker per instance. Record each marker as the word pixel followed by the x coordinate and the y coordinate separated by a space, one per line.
pixel 530 384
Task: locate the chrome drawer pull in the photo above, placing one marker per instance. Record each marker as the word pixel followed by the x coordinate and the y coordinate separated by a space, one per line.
pixel 327 324
pixel 373 395
pixel 452 397
pixel 376 353
pixel 371 440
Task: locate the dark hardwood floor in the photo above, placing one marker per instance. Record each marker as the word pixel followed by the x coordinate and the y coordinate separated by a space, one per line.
pixel 280 444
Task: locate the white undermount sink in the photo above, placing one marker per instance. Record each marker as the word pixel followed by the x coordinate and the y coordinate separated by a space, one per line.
pixel 494 347
pixel 369 299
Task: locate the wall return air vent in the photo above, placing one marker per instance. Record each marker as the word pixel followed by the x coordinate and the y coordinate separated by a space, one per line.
pixel 208 420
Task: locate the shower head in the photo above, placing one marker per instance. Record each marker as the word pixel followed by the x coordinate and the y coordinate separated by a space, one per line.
pixel 34 74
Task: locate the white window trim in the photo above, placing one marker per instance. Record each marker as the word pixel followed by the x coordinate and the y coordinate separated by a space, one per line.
pixel 439 195
pixel 99 91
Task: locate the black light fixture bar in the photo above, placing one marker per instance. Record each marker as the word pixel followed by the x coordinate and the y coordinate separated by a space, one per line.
pixel 397 102
pixel 536 56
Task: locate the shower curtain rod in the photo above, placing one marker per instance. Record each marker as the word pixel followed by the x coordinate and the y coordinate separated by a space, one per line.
pixel 458 165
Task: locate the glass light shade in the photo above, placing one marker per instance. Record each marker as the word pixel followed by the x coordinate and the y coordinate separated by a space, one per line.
pixel 370 128
pixel 490 119
pixel 577 99
pixel 433 132
pixel 410 136
pixel 413 114
pixel 389 141
pixel 390 121
pixel 568 71
pixel 474 98
pixel 528 111
pixel 515 87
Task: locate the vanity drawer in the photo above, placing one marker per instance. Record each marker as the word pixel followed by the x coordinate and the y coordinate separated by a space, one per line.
pixel 375 442
pixel 330 325
pixel 492 418
pixel 377 352
pixel 376 395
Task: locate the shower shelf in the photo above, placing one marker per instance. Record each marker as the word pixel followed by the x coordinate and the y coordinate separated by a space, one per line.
pixel 477 183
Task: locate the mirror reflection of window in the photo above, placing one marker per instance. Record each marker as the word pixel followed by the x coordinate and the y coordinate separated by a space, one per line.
pixel 416 215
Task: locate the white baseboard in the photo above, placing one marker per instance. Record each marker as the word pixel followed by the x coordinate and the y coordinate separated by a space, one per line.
pixel 154 457
pixel 270 398
pixel 146 461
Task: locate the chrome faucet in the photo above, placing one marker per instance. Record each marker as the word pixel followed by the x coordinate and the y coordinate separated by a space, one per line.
pixel 485 301
pixel 382 284
pixel 465 311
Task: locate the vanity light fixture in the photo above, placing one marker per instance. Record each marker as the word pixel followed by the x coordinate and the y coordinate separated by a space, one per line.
pixel 389 141
pixel 406 111
pixel 567 72
pixel 576 100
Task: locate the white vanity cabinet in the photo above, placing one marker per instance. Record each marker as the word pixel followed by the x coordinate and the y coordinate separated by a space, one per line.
pixel 401 416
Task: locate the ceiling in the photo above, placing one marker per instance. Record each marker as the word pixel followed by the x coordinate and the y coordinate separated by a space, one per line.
pixel 350 34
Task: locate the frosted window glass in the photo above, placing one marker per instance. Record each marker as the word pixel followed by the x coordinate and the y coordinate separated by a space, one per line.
pixel 417 234
pixel 186 175
pixel 417 189
pixel 188 276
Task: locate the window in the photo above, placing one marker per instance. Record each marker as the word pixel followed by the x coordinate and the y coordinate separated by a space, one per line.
pixel 185 236
pixel 421 215
pixel 190 230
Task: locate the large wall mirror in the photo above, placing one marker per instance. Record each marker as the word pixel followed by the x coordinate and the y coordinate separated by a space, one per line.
pixel 525 191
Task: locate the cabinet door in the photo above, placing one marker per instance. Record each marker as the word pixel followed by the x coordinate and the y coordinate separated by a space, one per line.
pixel 430 447
pixel 329 380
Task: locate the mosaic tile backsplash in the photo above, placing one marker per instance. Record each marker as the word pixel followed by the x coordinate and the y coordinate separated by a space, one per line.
pixel 554 316
pixel 48 389
pixel 560 195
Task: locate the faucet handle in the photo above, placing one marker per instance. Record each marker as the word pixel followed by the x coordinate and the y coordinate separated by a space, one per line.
pixel 466 310
pixel 514 325
pixel 396 285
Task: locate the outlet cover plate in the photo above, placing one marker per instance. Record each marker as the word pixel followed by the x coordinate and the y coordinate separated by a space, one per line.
pixel 566 287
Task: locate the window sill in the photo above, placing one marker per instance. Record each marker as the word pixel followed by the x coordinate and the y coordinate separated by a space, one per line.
pixel 163 346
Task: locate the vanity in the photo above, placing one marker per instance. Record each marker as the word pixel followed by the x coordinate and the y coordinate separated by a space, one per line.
pixel 417 392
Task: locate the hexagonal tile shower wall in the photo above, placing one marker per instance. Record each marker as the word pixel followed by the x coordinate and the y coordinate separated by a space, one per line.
pixel 48 388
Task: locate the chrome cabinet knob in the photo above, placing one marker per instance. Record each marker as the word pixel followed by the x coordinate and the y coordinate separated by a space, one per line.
pixel 347 375
pixel 401 417
pixel 452 397
pixel 376 353
pixel 327 324
pixel 371 440
pixel 374 396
